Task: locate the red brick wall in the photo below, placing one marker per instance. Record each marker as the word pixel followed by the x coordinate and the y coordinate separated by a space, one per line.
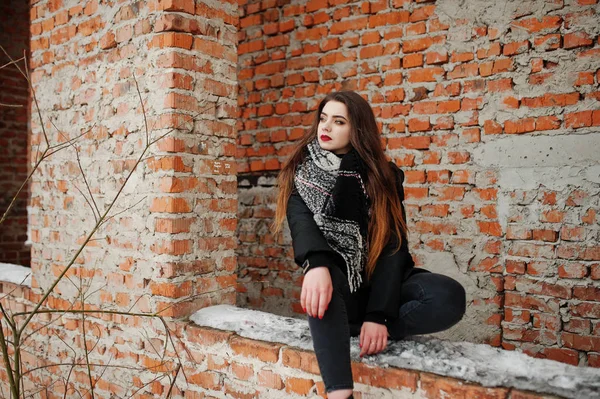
pixel 14 38
pixel 213 363
pixel 467 102
pixel 168 244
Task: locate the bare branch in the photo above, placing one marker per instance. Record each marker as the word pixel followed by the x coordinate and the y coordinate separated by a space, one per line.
pixel 137 87
pixel 9 370
pixel 67 381
pixel 173 381
pixel 85 348
pixel 95 209
pixel 124 210
pixel 12 62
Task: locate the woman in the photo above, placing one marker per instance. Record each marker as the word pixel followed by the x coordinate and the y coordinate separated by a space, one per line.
pixel 343 202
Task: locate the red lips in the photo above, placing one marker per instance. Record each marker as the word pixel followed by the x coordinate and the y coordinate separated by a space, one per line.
pixel 325 138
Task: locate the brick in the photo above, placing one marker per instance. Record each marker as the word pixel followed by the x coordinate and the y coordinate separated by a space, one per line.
pixel 572 270
pixel 545 235
pixel 305 361
pixel 436 386
pixel 576 39
pixel 412 60
pixel 391 18
pixel 544 123
pixel 500 85
pixel 419 125
pixel 520 126
pixel 414 45
pixel 515 267
pixel 547 42
pixel 187 6
pixel 422 13
pixel 464 71
pixel 540 268
pixel 437 210
pixel 267 352
pixel 585 343
pixel 385 378
pixel 532 250
pixel 586 309
pixel 563 355
pixel 577 120
pixel 301 386
pixel 492 127
pixel 269 379
pixel 170 205
pixel 371 51
pixel 502 65
pixel 341 27
pixel 172 39
pixel 515 48
pixel 587 293
pixel 517 316
pixel 435 58
pixel 568 233
pixel 425 74
pixel 548 23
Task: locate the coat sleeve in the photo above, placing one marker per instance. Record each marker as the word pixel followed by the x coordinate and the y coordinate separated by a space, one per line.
pixel 310 246
pixel 386 280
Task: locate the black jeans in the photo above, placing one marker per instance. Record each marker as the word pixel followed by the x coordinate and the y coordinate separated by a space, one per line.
pixel 431 302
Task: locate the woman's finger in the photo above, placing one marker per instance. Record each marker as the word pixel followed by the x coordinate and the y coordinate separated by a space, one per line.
pixel 303 298
pixel 372 347
pixel 365 346
pixel 307 301
pixel 324 299
pixel 314 304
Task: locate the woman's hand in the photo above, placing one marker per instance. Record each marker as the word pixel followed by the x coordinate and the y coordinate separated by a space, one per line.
pixel 373 338
pixel 316 291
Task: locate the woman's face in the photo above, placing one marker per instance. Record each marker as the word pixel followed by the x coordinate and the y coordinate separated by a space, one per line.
pixel 334 128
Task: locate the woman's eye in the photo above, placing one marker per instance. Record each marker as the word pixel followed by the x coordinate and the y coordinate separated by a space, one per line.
pixel 339 122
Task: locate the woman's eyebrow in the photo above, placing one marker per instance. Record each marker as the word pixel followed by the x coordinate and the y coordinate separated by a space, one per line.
pixel 335 116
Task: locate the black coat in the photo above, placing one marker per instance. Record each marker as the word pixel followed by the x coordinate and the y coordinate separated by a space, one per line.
pixel 378 300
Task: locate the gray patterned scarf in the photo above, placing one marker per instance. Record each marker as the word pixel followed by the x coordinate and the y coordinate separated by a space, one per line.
pixel 334 190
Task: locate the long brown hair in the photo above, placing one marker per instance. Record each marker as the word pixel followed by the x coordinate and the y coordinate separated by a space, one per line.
pixel 381 179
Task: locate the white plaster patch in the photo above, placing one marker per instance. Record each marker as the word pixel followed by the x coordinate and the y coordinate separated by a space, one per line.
pixel 478 363
pixel 539 151
pixel 551 178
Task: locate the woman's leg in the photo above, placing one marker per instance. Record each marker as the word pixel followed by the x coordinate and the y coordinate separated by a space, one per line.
pixel 430 302
pixel 331 340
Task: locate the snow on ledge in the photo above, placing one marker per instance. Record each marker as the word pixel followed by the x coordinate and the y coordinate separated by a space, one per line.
pixel 479 363
pixel 15 274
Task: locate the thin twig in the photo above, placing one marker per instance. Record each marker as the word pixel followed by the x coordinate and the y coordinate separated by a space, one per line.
pixel 95 209
pixel 137 87
pixel 12 62
pixel 174 380
pixel 85 348
pixel 124 210
pixel 67 381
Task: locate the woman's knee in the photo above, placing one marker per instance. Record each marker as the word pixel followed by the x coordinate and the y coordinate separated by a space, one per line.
pixel 454 300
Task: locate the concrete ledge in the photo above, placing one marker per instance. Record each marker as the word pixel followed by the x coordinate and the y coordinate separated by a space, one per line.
pixel 477 363
pixel 15 274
